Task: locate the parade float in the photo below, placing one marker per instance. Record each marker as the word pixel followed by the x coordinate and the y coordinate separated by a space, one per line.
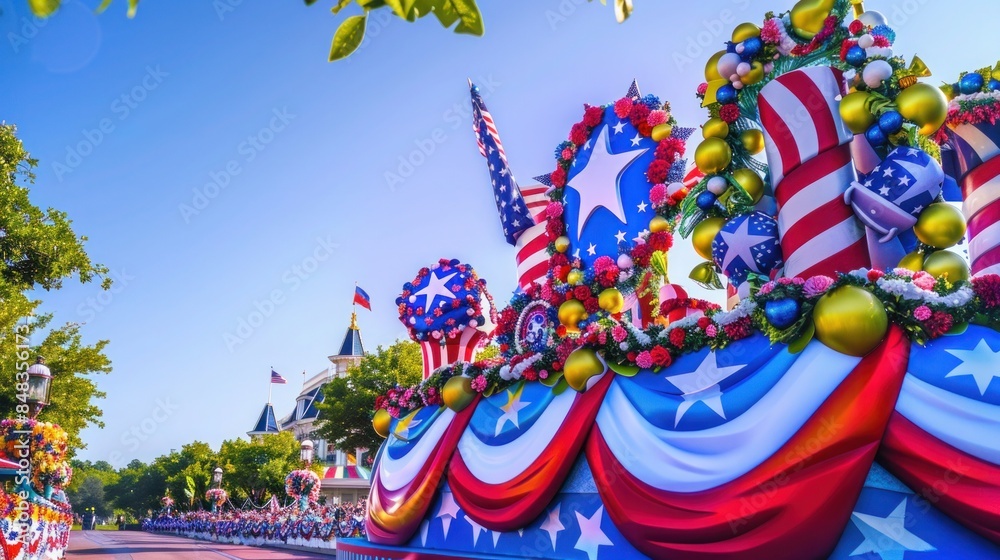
pixel 841 404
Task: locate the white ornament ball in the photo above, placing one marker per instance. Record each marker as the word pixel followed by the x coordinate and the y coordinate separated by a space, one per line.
pixel 740 48
pixel 871 18
pixel 876 72
pixel 743 69
pixel 413 299
pixel 436 334
pixel 675 187
pixel 470 312
pixel 738 84
pixel 717 185
pixel 473 323
pixel 728 63
pixel 625 262
pixel 866 41
pixel 413 320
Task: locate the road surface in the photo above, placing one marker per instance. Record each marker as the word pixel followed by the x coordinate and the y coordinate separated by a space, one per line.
pixel 136 545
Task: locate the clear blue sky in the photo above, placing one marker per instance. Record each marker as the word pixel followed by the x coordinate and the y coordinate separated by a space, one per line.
pixel 183 94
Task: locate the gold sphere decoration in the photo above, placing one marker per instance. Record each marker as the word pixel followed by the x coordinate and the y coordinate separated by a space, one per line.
pixel 850 320
pixel 715 128
pixel 571 312
pixel 948 90
pixel 712 156
pixel 807 16
pixel 611 300
pixel 581 366
pixel 381 422
pixel 457 393
pixel 703 235
pixel 940 225
pixel 947 265
pixel 854 110
pixel 661 131
pixel 562 244
pixel 753 141
pixel 712 67
pixel 744 31
pixel 755 75
pixel 574 277
pixel 924 105
pixel 750 181
pixel 912 261
pixel 659 223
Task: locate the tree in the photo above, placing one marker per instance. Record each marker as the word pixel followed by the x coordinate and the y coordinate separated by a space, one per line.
pixel 138 489
pixel 90 494
pixel 257 469
pixel 345 415
pixel 187 473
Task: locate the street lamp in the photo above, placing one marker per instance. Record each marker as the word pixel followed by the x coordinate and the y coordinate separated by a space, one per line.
pixel 39 386
pixel 306 452
pixel 217 477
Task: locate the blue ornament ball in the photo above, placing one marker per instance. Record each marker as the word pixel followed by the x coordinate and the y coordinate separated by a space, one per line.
pixel 971 83
pixel 706 200
pixel 726 94
pixel 890 122
pixel 855 56
pixel 782 313
pixel 747 243
pixel 994 85
pixel 751 46
pixel 875 136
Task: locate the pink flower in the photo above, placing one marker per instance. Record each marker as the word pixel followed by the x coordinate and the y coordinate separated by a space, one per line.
pixel 658 194
pixel 618 333
pixel 924 281
pixel 770 33
pixel 817 285
pixel 623 107
pixel 554 210
pixel 567 153
pixel 479 383
pixel 766 289
pixel 903 272
pixel 711 331
pixel 702 88
pixel 657 117
pixel 644 359
pixel 922 313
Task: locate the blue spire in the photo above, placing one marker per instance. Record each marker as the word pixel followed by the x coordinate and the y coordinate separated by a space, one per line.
pixel 266 422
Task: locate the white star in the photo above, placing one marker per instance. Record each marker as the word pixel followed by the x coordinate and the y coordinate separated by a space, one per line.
pixel 504 171
pixel 618 127
pixel 620 236
pixel 447 511
pixel 702 385
pixel 517 223
pixel 918 209
pixel 888 172
pixel 912 152
pixel 739 244
pixel 586 145
pixel 883 191
pixel 641 238
pixel 491 149
pixel 868 183
pixel 591 535
pixel 492 168
pixel 436 286
pixel 477 529
pixel 592 249
pixel 597 183
pixel 510 410
pixel 979 362
pixel 904 180
pixel 887 536
pixel 636 139
pixel 552 525
pixel 642 206
pixel 576 254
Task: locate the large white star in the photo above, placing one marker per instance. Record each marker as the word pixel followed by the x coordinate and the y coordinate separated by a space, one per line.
pixel 740 243
pixel 887 536
pixel 436 286
pixel 552 525
pixel 591 535
pixel 447 511
pixel 597 183
pixel 980 363
pixel 510 410
pixel 702 385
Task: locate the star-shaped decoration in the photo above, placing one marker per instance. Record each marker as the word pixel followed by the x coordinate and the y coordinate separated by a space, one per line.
pixel 888 172
pixel 552 525
pixel 904 180
pixel 979 362
pixel 740 243
pixel 436 287
pixel 642 206
pixel 586 145
pixel 598 182
pixel 702 385
pixel 448 511
pixel 510 410
pixel 406 424
pixel 912 152
pixel 887 536
pixel 884 191
pixel 620 236
pixel 619 127
pixel 591 535
pixel 868 183
pixel 636 139
pixel 592 249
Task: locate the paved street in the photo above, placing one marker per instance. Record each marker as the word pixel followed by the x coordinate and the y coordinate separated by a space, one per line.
pixel 129 545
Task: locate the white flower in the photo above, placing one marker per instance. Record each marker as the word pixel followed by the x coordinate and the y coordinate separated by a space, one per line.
pixel 641 336
pixel 743 309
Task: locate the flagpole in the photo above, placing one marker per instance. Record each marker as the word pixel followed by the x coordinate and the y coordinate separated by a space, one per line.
pixel 270 384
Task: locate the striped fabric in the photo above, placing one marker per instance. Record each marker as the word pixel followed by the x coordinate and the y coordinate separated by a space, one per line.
pixel 536 200
pixel 460 349
pixel 975 149
pixel 532 256
pixel 809 154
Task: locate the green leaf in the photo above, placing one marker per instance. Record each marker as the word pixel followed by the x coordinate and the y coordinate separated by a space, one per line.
pixel 43 8
pixel 561 387
pixel 799 344
pixel 348 37
pixel 337 5
pixel 552 380
pixel 624 369
pixel 466 12
pixel 133 5
pixel 104 6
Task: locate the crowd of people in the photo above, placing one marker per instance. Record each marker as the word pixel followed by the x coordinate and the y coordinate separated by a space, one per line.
pixel 251 526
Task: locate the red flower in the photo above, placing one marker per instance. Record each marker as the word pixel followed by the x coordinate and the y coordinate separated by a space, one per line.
pixel 738 329
pixel 559 259
pixel 608 278
pixel 558 177
pixel 554 227
pixel 560 331
pixel 677 337
pixel 641 254
pixel 661 241
pixel 591 305
pixel 856 27
pixel 593 116
pixel 578 134
pixel 645 128
pixel 660 356
pixel 987 287
pixel 939 323
pixel 581 292
pixel 657 172
pixel 631 356
pixel 704 322
pixel 638 114
pixel 702 88
pixel 729 112
pixel 882 41
pixel 670 149
pixel 874 275
pixel 530 374
pixel 623 107
pixel 558 365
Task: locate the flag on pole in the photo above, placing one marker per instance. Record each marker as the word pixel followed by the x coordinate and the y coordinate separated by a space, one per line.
pixel 361 298
pixel 515 217
pixel 277 378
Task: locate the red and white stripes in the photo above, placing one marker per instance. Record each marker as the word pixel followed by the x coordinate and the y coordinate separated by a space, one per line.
pixel 536 201
pixel 459 349
pixel 977 150
pixel 809 154
pixel 532 255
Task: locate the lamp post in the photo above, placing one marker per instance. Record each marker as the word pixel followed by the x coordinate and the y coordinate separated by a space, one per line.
pixel 39 387
pixel 306 452
pixel 216 483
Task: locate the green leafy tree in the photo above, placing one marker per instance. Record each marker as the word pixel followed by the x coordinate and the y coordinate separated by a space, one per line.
pixel 257 469
pixel 345 415
pixel 138 488
pixel 188 472
pixel 90 494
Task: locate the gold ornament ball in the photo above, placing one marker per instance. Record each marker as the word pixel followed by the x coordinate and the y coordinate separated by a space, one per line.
pixel 755 75
pixel 947 265
pixel 457 393
pixel 751 182
pixel 850 320
pixel 571 313
pixel 948 91
pixel 574 277
pixel 661 131
pixel 807 16
pixel 381 422
pixel 924 105
pixel 753 141
pixel 581 366
pixel 912 261
pixel 712 156
pixel 703 235
pixel 659 223
pixel 712 67
pixel 854 110
pixel 940 225
pixel 703 273
pixel 611 300
pixel 744 31
pixel 562 244
pixel 715 128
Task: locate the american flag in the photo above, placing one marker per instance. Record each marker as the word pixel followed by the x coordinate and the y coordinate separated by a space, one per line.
pixel 277 378
pixel 514 214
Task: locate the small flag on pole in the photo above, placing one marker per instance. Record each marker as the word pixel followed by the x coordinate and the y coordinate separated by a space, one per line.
pixel 361 298
pixel 277 378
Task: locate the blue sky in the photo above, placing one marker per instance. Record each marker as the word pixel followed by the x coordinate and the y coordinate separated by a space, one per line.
pixel 219 165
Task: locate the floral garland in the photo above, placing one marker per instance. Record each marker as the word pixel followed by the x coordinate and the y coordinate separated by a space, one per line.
pixel 302 482
pixel 974 98
pixel 217 496
pixel 444 322
pixel 48 444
